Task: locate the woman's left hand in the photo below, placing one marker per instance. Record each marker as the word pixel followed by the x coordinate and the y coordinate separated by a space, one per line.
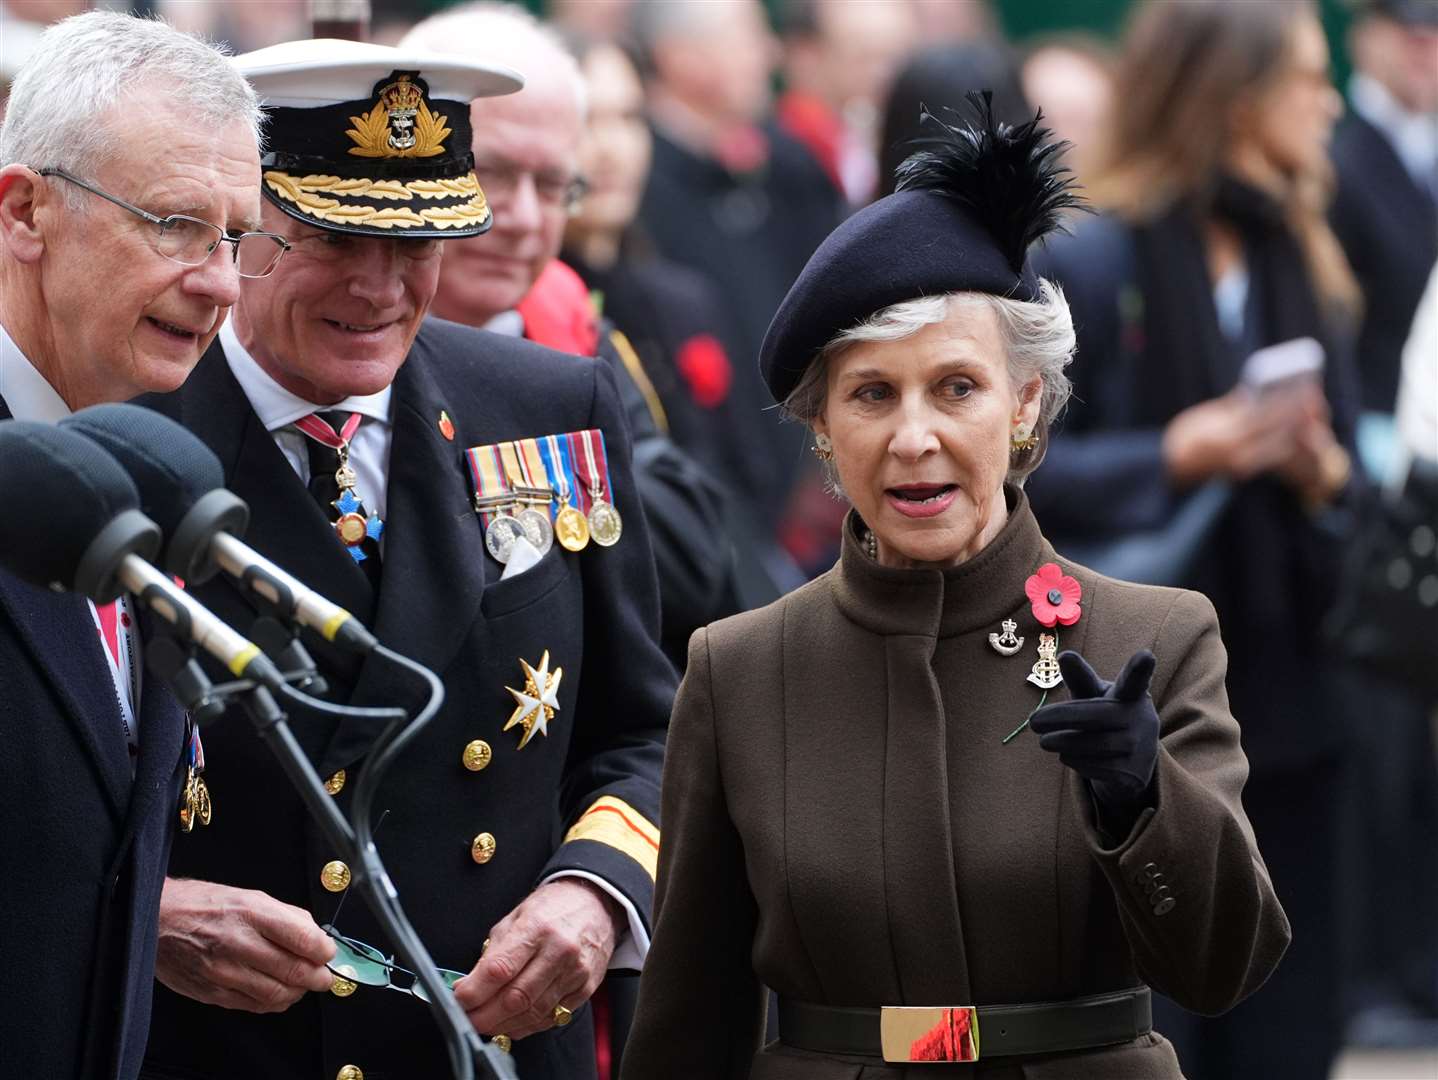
pixel 1108 732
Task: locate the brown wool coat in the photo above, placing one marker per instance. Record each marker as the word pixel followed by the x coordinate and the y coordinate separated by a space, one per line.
pixel 843 824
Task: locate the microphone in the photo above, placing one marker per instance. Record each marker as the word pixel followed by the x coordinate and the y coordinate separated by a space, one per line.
pixel 73 523
pixel 181 486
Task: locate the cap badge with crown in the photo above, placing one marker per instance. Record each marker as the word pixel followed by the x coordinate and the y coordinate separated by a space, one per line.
pixel 401 124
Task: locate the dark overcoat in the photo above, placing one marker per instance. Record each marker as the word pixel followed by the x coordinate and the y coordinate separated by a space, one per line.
pixel 85 842
pixel 441 602
pixel 1388 225
pixel 845 825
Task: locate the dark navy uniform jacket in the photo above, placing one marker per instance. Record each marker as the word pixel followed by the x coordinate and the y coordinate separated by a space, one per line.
pixel 583 798
pixel 83 842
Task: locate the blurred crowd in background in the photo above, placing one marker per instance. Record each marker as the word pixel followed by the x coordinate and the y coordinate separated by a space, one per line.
pixel 725 139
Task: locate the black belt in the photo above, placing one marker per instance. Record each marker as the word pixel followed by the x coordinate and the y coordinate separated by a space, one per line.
pixel 987 1030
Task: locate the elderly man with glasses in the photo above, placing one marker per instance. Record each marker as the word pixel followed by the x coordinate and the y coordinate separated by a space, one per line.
pixel 129 156
pixel 471 498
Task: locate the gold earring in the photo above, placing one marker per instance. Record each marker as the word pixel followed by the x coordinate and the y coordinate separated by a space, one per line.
pixel 1021 442
pixel 823 447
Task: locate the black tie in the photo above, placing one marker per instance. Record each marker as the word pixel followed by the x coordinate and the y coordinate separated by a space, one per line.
pixel 324 463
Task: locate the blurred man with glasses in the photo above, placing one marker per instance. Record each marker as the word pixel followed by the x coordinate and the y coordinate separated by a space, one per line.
pixel 521 833
pixel 128 212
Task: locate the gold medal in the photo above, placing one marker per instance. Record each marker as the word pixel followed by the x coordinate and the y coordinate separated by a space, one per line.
pixel 571 529
pixel 352 529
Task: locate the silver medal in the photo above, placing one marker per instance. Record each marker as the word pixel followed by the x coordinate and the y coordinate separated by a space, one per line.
pixel 500 536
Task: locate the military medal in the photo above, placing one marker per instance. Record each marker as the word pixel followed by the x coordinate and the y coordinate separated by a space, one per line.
pixel 492 501
pixel 1007 643
pixel 354 525
pixel 571 528
pixel 605 525
pixel 1046 673
pixel 517 462
pixel 195 799
pixel 536 704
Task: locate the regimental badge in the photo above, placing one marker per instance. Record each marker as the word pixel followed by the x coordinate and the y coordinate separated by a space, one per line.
pixel 400 125
pixel 1007 643
pixel 1046 673
pixel 537 702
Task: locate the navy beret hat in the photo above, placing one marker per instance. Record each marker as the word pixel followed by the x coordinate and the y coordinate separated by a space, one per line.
pixel 970 201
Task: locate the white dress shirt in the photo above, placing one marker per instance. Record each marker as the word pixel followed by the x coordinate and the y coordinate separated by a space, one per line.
pixel 278 409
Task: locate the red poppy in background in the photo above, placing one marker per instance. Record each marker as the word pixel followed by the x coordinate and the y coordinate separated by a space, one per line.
pixel 1054 596
pixel 706 368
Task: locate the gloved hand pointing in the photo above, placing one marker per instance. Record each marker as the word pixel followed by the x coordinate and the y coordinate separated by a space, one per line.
pixel 1108 733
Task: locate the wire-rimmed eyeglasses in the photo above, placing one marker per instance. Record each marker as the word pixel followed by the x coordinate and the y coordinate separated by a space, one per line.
pixel 191 240
pixel 358 963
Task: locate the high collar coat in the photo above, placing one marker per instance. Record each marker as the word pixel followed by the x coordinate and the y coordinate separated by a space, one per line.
pixel 844 824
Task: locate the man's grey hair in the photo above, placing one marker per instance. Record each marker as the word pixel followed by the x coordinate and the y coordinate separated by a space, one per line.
pixel 1038 340
pixel 495 32
pixel 84 66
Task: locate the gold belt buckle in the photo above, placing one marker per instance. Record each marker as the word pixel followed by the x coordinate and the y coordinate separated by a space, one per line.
pixel 914 1035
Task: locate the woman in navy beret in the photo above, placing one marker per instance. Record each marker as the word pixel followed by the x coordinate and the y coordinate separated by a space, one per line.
pixel 959 799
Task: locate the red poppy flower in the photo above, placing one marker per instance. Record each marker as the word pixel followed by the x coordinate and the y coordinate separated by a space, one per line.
pixel 1054 596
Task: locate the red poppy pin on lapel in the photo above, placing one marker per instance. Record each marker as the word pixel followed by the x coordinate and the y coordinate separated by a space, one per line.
pixel 446 425
pixel 1054 598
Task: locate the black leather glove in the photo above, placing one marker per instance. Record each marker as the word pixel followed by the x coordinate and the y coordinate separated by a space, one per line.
pixel 1108 734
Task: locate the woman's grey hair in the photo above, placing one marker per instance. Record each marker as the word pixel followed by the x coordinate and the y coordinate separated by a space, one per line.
pixel 1038 340
pixel 83 66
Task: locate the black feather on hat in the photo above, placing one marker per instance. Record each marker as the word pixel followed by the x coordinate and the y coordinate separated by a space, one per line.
pixel 969 203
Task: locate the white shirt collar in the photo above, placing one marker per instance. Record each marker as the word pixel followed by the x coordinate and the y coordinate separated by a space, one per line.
pixel 26 392
pixel 1414 135
pixel 275 406
pixel 509 323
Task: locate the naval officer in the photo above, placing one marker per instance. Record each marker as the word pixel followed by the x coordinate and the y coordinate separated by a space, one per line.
pixel 392 462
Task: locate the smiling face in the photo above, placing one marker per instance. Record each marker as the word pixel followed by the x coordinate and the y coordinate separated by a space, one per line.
pixel 921 430
pixel 338 316
pixel 526 149
pixel 122 318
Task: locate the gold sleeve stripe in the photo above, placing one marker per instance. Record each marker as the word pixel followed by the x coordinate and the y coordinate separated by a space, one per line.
pixel 614 822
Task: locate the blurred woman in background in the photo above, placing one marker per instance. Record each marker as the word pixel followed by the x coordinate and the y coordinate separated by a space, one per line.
pixel 1235 474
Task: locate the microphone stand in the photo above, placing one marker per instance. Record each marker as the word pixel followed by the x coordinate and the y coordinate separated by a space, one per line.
pixel 353 839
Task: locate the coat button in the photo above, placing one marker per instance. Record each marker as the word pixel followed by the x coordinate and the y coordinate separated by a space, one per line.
pixel 335 876
pixel 502 1042
pixel 1164 906
pixel 341 987
pixel 1150 869
pixel 1162 893
pixel 477 755
pixel 336 783
pixel 482 849
pixel 349 1072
